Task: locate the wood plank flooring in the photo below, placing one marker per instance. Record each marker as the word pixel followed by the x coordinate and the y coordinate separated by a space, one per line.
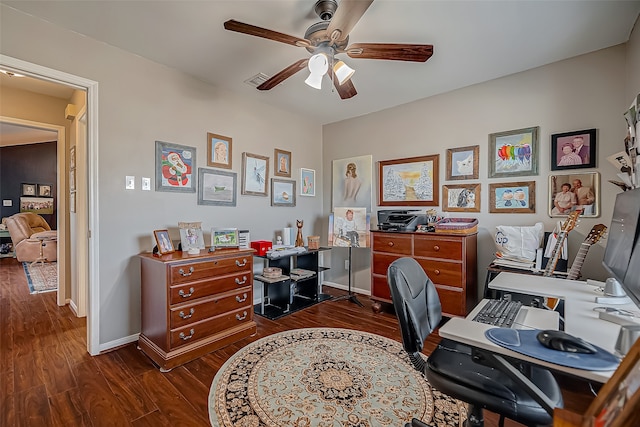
pixel 47 378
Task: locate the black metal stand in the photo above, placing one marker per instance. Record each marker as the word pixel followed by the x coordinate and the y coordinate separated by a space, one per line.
pixel 350 296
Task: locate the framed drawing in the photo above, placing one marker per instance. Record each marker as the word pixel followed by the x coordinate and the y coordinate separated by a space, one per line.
pixel 349 227
pixel 44 190
pixel 283 192
pixel 218 151
pixel 191 236
pixel 224 238
pixel 72 157
pixel 574 191
pixel 216 187
pixel 72 180
pixel 163 242
pixel 29 189
pixel 39 205
pixel 513 153
pixel 409 182
pixel 307 182
pixel 255 174
pixel 352 182
pixel 512 197
pixel 72 201
pixel 174 167
pixel 461 198
pixel 573 150
pixel 462 162
pixel 282 161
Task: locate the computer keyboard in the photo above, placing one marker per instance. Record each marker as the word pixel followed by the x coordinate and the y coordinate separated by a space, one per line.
pixel 499 313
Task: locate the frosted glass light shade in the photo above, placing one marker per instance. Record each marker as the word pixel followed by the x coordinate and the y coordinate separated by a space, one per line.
pixel 318 65
pixel 315 80
pixel 343 72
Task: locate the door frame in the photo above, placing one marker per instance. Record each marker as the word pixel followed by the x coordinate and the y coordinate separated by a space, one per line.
pixel 92 232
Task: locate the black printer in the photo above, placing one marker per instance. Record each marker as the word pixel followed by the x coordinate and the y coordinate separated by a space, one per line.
pixel 400 220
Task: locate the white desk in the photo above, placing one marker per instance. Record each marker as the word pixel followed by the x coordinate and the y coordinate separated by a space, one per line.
pixel 580 319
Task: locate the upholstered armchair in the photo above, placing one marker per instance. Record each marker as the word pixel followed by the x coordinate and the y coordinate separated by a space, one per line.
pixel 30 235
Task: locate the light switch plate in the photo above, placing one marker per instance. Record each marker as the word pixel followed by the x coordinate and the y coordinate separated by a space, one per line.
pixel 130 183
pixel 7 202
pixel 146 183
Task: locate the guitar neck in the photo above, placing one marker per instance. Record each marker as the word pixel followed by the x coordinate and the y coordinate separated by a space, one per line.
pixel 574 272
pixel 555 255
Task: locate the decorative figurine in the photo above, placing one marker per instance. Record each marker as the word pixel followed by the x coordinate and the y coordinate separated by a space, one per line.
pixel 299 240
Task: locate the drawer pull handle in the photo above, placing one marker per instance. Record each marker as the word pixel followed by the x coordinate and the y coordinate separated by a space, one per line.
pixel 390 244
pixel 436 248
pixel 186 316
pixel 184 337
pixel 183 274
pixel 244 262
pixel 243 299
pixel 183 295
pixel 244 280
pixel 244 316
pixel 436 271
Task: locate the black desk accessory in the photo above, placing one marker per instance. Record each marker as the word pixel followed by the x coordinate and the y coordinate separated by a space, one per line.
pixel 350 296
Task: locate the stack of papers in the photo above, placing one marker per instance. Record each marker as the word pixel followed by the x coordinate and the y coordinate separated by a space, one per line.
pixel 514 262
pixel 281 251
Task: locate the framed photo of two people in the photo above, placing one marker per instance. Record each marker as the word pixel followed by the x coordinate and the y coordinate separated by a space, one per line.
pixel 573 150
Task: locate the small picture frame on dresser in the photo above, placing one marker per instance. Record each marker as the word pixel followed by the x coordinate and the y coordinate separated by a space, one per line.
pixel 163 242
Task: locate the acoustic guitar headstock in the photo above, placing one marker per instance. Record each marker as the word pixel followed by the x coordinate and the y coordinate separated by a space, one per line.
pixel 571 221
pixel 596 233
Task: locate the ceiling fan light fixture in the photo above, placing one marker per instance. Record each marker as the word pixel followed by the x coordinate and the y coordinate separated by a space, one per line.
pixel 343 72
pixel 318 65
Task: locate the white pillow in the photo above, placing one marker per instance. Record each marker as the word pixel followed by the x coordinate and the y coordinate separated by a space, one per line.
pixel 519 241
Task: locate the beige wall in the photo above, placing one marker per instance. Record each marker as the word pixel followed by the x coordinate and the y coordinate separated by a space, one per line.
pixel 633 62
pixel 580 93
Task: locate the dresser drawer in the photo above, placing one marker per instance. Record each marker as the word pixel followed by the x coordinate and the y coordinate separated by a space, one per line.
pixel 380 263
pixel 190 271
pixel 193 290
pixel 442 272
pixel 432 247
pixel 380 288
pixel 210 307
pixel 195 331
pixel 452 301
pixel 392 243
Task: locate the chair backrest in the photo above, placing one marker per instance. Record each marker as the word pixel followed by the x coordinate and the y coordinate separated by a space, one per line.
pixel 22 225
pixel 415 300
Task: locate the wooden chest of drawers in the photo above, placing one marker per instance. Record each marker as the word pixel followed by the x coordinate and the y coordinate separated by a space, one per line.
pixel 450 261
pixel 195 304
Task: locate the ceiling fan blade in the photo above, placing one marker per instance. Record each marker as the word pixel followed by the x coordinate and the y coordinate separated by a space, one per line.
pixel 395 52
pixel 346 17
pixel 346 90
pixel 252 30
pixel 284 74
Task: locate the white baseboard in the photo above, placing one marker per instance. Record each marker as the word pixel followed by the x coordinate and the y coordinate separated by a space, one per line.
pixel 73 307
pixel 346 288
pixel 107 346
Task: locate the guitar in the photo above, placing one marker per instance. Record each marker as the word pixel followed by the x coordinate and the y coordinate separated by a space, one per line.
pixel 594 235
pixel 567 226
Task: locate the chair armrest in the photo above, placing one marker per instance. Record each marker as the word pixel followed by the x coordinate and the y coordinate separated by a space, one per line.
pixel 45 235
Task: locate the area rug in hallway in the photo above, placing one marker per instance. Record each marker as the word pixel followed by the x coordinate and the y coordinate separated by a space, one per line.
pixel 326 377
pixel 41 277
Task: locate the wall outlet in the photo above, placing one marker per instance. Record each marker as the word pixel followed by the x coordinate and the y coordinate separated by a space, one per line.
pixel 346 264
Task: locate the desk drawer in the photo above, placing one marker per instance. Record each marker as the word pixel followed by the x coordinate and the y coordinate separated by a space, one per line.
pixel 433 247
pixel 194 290
pixel 442 272
pixel 210 307
pixel 195 331
pixel 190 271
pixel 392 243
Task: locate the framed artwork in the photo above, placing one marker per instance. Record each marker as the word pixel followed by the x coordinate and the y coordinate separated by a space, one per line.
pixel 224 238
pixel 191 236
pixel 39 205
pixel 353 184
pixel 218 151
pixel 349 227
pixel 72 157
pixel 163 242
pixel 512 197
pixel 283 192
pixel 29 189
pixel 461 198
pixel 462 162
pixel 409 182
pixel 282 161
pixel 574 191
pixel 307 182
pixel 513 153
pixel 72 180
pixel 72 201
pixel 573 150
pixel 255 174
pixel 44 190
pixel 174 167
pixel 216 187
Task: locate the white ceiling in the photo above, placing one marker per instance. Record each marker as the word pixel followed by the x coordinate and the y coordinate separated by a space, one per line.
pixel 474 41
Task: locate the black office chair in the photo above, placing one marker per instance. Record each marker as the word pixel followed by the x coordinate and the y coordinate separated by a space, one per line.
pixel 460 371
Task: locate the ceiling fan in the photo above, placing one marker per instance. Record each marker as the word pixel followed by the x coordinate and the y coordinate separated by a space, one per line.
pixel 330 37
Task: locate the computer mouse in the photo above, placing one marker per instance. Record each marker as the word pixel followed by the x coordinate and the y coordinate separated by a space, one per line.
pixel 562 341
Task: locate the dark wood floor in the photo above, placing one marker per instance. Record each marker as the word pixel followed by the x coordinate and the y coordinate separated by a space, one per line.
pixel 47 378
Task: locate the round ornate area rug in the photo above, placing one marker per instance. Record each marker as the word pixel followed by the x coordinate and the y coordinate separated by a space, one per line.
pixel 326 377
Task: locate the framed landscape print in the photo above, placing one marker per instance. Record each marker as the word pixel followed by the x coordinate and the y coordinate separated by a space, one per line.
pixel 216 187
pixel 255 174
pixel 512 197
pixel 39 205
pixel 283 192
pixel 409 182
pixel 573 150
pixel 307 182
pixel 513 153
pixel 574 191
pixel 461 198
pixel 282 161
pixel 462 163
pixel 174 167
pixel 218 151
